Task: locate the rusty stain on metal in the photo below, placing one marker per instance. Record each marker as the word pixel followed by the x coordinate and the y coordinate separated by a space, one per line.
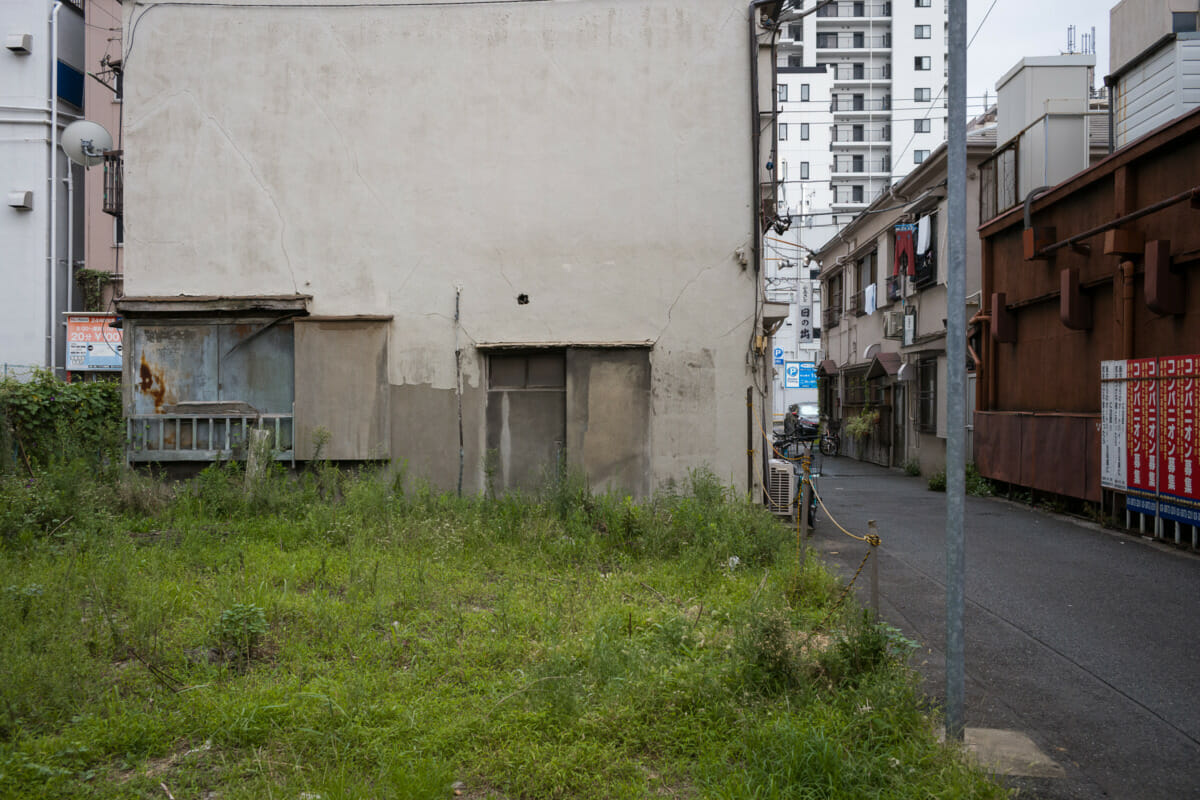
pixel 151 383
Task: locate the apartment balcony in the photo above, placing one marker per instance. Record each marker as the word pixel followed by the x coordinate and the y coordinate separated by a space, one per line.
pixel 851 198
pixel 114 184
pixel 850 106
pixel 857 134
pixel 830 317
pixel 850 167
pixel 853 41
pixel 855 10
pixel 856 73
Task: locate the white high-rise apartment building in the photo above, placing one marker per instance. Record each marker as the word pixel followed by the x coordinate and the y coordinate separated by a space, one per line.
pixel 861 100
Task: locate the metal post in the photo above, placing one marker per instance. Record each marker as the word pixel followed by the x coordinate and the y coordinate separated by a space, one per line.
pixel 956 326
pixel 874 529
pixel 805 522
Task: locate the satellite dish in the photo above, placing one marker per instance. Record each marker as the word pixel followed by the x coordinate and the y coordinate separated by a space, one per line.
pixel 85 141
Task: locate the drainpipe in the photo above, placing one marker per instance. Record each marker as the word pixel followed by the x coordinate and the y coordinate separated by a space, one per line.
pixel 52 230
pixel 70 184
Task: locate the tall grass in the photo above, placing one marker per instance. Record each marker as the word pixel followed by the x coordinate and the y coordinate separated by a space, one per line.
pixel 350 636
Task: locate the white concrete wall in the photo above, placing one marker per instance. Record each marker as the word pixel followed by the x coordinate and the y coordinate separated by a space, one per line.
pixel 592 155
pixel 906 80
pixel 25 165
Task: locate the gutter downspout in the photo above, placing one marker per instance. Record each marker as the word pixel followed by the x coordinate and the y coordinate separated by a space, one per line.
pixel 51 228
pixel 756 233
pixel 70 183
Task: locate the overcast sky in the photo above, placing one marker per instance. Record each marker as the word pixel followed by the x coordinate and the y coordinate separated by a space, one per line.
pixel 1018 28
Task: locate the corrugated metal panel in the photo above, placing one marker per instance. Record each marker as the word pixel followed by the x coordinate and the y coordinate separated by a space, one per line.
pixel 1147 96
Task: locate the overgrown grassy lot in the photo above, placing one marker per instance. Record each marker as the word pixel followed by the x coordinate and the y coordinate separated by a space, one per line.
pixel 337 636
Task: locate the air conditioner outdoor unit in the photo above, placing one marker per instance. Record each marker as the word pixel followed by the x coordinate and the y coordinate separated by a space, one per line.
pixel 893 324
pixel 781 487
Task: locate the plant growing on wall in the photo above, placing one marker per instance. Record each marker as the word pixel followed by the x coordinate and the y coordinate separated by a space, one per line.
pixel 91 283
pixel 863 424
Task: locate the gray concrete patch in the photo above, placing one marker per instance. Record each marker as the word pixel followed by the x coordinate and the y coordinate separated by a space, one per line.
pixel 1008 752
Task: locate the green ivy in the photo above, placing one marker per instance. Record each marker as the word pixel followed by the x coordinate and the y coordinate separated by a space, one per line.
pixel 45 417
pixel 92 283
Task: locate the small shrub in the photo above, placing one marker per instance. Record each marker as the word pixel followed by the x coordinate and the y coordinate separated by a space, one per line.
pixel 912 468
pixel 863 424
pixel 239 630
pixel 975 484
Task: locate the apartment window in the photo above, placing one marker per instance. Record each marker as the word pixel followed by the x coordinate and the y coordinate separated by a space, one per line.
pixel 804 92
pixel 796 32
pixel 920 155
pixel 927 395
pixel 826 40
pixel 803 170
pixel 922 125
pixel 856 194
pixel 920 63
pixel 858 40
pixel 922 3
pixel 781 90
pixel 922 31
pixel 857 133
pixel 804 131
pixel 923 95
pixel 795 60
pixel 1183 21
pixel 783 131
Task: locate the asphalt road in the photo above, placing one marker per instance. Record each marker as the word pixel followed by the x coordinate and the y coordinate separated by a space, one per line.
pixel 1086 640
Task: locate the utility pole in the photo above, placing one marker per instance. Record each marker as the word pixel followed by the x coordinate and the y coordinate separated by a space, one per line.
pixel 956 334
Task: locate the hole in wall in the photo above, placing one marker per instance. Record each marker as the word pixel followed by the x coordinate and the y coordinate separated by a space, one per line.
pixel 522 299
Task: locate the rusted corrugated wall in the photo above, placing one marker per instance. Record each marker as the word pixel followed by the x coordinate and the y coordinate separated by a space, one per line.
pixel 1038 399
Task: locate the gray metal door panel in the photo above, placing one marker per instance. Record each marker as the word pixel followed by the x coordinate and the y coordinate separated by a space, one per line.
pixel 256 366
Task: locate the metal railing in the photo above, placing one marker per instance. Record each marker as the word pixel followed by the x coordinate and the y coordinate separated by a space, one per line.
pixel 842 166
pixel 998 184
pixel 831 316
pixel 854 9
pixel 852 41
pixel 854 72
pixel 843 104
pixel 845 133
pixel 114 182
pixel 204 437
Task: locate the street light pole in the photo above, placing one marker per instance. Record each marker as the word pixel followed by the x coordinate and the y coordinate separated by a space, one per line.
pixel 956 332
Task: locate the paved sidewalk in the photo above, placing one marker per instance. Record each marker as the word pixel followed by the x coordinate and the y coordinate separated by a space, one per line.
pixel 1085 640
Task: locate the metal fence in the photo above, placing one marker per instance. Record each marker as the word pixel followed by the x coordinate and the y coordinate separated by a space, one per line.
pixel 204 437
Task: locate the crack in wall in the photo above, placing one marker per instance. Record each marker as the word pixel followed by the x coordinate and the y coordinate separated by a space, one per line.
pixel 254 174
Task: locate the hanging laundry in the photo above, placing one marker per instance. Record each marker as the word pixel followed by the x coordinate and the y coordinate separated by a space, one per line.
pixel 905 260
pixel 869 305
pixel 923 228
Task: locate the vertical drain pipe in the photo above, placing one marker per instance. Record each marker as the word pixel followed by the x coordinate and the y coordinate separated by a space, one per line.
pixel 52 224
pixel 458 384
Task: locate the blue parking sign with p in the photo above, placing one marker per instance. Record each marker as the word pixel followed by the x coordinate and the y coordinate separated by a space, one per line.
pixel 791 375
pixel 778 356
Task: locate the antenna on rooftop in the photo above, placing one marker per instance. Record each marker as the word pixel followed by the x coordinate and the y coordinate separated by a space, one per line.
pixel 1070 39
